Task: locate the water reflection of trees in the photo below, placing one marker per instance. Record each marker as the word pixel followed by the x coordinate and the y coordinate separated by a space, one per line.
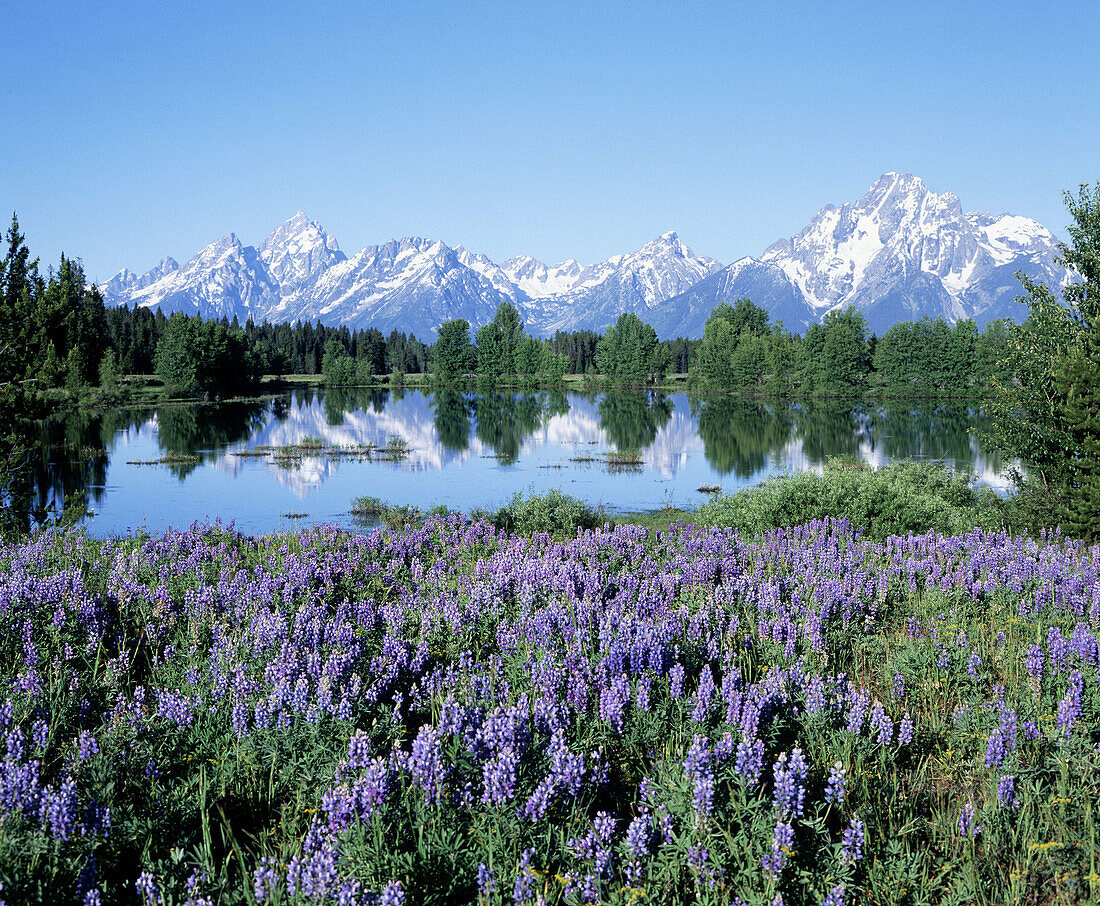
pixel 68 463
pixel 937 432
pixel 505 421
pixel 739 435
pixel 828 428
pixel 201 432
pixel 451 416
pixel 632 420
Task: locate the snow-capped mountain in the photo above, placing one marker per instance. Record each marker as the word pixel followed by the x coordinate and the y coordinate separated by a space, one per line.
pixel 127 282
pixel 902 252
pixel 225 279
pixel 898 253
pixel 659 270
pixel 540 281
pixel 296 254
pixel 409 284
pixel 685 315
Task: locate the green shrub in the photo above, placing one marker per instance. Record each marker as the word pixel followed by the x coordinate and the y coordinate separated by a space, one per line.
pixel 554 513
pixel 896 499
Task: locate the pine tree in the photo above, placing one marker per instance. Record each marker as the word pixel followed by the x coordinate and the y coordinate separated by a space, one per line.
pixel 1046 416
pixel 1078 376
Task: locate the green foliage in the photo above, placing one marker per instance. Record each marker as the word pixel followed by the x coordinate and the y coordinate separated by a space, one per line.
pixel 630 354
pixel 896 499
pixel 452 355
pixel 337 367
pixel 553 513
pixel 1078 377
pixel 196 356
pixel 734 352
pixel 931 358
pixel 498 343
pixel 834 357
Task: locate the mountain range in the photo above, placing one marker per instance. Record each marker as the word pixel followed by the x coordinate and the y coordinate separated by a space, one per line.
pixel 900 252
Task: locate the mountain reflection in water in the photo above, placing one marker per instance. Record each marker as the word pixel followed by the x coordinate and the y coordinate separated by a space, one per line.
pixel 172 464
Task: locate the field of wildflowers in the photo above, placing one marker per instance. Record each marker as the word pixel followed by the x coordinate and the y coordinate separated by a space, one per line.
pixel 453 714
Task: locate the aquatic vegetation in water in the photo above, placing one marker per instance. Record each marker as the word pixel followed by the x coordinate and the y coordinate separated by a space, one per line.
pixel 455 714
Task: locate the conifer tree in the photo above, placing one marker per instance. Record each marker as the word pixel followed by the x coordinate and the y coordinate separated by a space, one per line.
pixel 1046 416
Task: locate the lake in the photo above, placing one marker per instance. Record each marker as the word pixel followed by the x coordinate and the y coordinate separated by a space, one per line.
pixel 302 457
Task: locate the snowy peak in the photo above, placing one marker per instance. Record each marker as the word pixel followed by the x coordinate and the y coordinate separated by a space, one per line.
pixel 225 278
pixel 126 281
pixel 298 250
pixel 538 280
pixel 903 251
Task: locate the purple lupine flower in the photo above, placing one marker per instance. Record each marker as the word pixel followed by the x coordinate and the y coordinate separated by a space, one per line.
pixel 1006 791
pixel 905 730
pixel 858 702
pixel 265 879
pixel 1069 708
pixel 1056 642
pixel 973 664
pixel 835 896
pixel 486 881
pixel 147 887
pixel 851 847
pixel 676 680
pixel 835 787
pixel 899 693
pixel 86 746
pixel 995 749
pixel 968 821
pixel 667 833
pixel 393 894
pixel 1034 664
pixel 750 760
pixel 613 701
pixel 604 825
pixel 815 696
pixel 881 724
pixel 790 778
pixel 698 769
pixel 426 763
pixel 1008 725
pixel 523 890
pixel 638 836
pixel 782 842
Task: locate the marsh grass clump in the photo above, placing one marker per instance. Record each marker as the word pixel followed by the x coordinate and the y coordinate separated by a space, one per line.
pixel 169 459
pixel 628 457
pixel 895 499
pixel 553 513
pixel 452 713
pixel 372 510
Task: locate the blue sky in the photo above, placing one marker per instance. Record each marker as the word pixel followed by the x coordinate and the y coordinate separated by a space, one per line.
pixel 133 130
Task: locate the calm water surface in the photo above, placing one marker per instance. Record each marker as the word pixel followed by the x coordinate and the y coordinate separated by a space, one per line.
pixel 465 450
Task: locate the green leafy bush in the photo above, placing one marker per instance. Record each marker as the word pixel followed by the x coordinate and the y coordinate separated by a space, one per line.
pixel 554 513
pixel 896 499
